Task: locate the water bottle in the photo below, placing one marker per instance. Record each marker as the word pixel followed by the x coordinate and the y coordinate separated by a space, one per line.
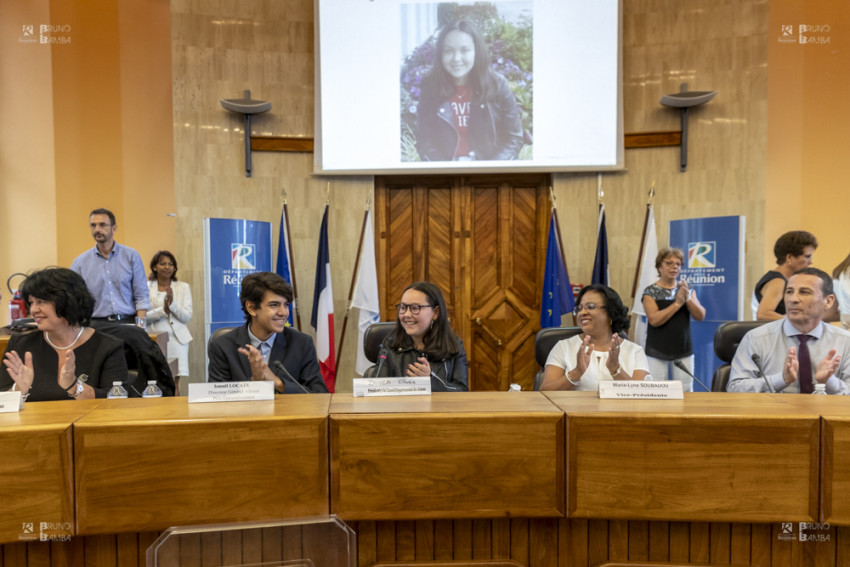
pixel 820 390
pixel 117 391
pixel 514 387
pixel 152 391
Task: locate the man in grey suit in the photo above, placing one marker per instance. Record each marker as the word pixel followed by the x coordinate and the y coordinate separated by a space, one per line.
pixel 265 348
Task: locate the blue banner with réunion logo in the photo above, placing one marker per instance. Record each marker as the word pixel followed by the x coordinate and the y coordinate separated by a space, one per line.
pixel 714 268
pixel 233 248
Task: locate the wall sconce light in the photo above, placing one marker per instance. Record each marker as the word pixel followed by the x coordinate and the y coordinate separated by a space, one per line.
pixel 683 100
pixel 247 107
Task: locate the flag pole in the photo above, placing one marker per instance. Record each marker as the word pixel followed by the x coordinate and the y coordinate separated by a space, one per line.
pixel 643 239
pixel 291 259
pixel 354 277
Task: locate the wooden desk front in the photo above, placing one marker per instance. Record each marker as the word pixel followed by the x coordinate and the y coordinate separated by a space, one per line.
pixel 36 477
pixel 473 455
pixel 718 458
pixel 146 464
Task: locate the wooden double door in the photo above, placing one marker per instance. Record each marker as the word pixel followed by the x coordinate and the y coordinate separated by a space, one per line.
pixel 482 239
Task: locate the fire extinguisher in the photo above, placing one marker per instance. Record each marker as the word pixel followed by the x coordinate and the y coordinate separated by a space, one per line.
pixel 17 306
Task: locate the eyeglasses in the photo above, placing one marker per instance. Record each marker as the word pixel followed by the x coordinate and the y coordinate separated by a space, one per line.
pixel 586 307
pixel 414 308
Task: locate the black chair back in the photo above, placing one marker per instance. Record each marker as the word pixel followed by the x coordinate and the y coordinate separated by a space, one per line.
pixel 726 340
pixel 544 341
pixel 373 338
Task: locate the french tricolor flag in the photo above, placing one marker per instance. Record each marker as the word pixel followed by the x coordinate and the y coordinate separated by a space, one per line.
pixel 323 309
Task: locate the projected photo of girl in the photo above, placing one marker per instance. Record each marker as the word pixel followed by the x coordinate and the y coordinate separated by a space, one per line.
pixel 457 102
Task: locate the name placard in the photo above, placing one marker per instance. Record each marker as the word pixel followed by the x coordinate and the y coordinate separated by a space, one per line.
pixel 11 402
pixel 398 386
pixel 640 390
pixel 253 391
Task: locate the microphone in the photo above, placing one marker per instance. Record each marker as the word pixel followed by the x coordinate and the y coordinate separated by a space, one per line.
pixel 681 366
pixel 757 361
pixel 382 358
pixel 277 364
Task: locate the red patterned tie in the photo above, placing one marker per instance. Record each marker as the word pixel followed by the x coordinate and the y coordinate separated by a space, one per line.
pixel 804 361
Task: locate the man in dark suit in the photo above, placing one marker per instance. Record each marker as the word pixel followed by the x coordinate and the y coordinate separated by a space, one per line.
pixel 264 348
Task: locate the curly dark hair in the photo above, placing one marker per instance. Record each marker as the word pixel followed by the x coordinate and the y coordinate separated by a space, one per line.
pixel 794 243
pixel 617 312
pixel 65 289
pixel 440 340
pixel 255 285
pixel 155 260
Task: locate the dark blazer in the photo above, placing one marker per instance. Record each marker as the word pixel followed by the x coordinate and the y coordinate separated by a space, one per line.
pixel 293 349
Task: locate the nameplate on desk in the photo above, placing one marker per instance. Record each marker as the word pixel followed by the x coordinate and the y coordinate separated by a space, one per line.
pixel 400 386
pixel 11 402
pixel 253 391
pixel 640 390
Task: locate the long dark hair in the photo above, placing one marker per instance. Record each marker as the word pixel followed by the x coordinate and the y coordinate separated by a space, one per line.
pixel 440 340
pixel 617 312
pixel 482 81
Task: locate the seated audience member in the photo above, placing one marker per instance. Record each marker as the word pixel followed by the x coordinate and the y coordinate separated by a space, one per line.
pixel 423 342
pixel 793 251
pixel 171 309
pixel 799 350
pixel 65 358
pixel 265 348
pixel 670 304
pixel 598 353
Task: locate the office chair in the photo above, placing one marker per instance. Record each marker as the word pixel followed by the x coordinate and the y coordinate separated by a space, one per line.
pixel 726 340
pixel 544 341
pixel 372 341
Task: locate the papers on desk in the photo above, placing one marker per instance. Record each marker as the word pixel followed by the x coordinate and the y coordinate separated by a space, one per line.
pixel 254 391
pixel 400 386
pixel 640 390
pixel 11 402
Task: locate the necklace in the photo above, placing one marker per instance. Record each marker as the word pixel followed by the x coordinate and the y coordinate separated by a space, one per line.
pixel 80 334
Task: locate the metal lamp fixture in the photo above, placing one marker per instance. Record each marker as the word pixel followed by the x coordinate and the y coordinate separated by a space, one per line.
pixel 247 107
pixel 684 100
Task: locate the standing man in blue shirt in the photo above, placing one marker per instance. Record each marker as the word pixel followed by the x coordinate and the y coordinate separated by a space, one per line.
pixel 114 274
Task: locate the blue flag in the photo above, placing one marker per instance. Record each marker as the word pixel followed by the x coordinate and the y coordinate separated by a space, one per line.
pixel 557 292
pixel 600 263
pixel 283 263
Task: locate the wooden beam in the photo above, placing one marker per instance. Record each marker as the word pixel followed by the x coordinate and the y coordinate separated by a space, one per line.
pixel 281 144
pixel 653 139
pixel 293 144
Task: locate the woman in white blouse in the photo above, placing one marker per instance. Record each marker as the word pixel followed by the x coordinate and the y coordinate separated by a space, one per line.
pixel 598 353
pixel 171 309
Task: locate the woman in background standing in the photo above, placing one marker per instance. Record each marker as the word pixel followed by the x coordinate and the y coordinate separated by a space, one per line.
pixel 171 309
pixel 669 306
pixel 841 283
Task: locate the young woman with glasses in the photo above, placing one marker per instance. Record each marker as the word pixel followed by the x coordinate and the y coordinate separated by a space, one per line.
pixel 598 353
pixel 423 343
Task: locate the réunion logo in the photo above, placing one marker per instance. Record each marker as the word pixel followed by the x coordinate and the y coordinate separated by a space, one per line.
pixel 702 254
pixel 242 256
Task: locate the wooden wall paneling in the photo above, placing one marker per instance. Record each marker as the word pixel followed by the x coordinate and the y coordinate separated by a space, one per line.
pixel 252 541
pixel 543 542
pixel 212 552
pixel 780 551
pixel 101 550
pixel 231 548
pixel 638 540
pixel 443 539
pixel 740 543
pixel 501 538
pixel 405 541
pixel 38 555
pixel 618 540
pixel 272 543
pixel 190 550
pixel 462 539
pixel 842 545
pixel 761 544
pixel 367 542
pixel 597 541
pixel 720 542
pixel 520 540
pixel 482 536
pixel 699 542
pixel 576 535
pixel 385 532
pixel 424 545
pixel 658 541
pixel 680 535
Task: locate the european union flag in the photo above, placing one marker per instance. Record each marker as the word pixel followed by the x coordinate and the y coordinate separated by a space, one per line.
pixel 557 291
